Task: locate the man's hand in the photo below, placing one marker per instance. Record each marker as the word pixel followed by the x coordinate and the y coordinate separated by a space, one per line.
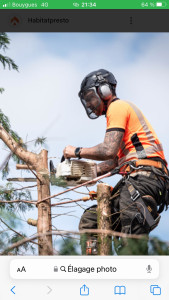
pixel 69 151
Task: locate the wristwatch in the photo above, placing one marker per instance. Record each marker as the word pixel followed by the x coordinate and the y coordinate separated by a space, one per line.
pixel 77 152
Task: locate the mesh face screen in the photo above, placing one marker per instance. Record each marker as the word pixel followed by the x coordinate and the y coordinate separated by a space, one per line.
pixel 91 102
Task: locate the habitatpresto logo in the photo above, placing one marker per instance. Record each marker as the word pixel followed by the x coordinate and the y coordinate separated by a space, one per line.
pixel 48 20
pixel 15 20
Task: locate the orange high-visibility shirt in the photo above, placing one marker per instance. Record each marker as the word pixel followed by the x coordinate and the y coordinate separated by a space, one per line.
pixel 140 140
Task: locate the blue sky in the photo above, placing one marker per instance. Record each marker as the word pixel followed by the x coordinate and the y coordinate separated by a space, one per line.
pixel 42 98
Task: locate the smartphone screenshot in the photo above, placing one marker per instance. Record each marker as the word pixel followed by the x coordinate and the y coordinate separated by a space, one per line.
pixel 84 180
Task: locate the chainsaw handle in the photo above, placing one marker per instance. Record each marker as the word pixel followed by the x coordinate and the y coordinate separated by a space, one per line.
pixel 62 159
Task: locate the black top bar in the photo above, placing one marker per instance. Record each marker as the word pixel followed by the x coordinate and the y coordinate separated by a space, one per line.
pixel 84 20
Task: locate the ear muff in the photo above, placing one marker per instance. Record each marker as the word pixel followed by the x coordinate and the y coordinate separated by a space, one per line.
pixel 104 91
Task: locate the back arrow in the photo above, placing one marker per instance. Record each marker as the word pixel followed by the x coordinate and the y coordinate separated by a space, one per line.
pixel 12 290
pixel 49 290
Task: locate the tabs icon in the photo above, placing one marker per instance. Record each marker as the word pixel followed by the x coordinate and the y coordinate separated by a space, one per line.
pixel 155 290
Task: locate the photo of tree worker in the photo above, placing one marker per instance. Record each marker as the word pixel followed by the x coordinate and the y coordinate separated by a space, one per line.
pixel 130 142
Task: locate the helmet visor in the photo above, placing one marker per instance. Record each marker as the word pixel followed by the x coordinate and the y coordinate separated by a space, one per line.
pixel 91 102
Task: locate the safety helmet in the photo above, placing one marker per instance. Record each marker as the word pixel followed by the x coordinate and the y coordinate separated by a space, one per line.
pixel 96 86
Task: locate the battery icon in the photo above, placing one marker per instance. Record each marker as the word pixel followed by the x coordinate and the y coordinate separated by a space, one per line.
pixel 161 4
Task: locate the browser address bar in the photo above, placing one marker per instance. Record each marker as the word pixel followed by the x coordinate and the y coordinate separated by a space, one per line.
pixel 95 268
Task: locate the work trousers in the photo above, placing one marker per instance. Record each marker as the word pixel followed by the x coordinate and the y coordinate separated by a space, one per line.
pixel 125 215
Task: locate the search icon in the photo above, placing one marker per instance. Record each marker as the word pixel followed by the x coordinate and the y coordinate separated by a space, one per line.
pixel 63 269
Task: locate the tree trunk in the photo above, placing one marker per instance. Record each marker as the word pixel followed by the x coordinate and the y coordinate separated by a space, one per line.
pixel 39 163
pixel 104 218
pixel 44 208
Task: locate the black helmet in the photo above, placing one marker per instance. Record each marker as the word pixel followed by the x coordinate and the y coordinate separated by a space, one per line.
pixel 96 86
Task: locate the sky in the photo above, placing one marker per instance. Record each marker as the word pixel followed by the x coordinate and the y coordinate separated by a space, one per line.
pixel 42 98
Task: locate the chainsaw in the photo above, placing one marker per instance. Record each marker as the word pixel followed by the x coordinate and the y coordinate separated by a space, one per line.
pixel 73 171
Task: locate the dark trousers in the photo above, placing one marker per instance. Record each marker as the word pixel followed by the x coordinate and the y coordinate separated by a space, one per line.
pixel 126 217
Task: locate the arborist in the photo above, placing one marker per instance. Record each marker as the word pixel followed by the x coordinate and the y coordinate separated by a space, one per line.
pixel 131 144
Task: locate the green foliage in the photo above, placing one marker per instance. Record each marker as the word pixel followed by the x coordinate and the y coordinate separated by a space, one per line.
pixel 19 250
pixel 158 247
pixel 6 234
pixel 5 170
pixel 4 120
pixel 9 216
pixel 8 193
pixel 8 211
pixel 4 41
pixel 68 247
pixel 14 238
pixel 59 181
pixel 5 60
pixel 130 246
pixel 143 246
pixel 40 141
pixel 83 239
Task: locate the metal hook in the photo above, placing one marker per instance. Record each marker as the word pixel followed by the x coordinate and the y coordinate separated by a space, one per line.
pixel 136 168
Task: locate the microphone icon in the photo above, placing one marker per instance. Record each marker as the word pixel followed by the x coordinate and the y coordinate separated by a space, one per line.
pixel 149 269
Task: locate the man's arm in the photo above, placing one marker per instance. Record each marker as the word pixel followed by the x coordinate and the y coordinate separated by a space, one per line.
pixel 107 166
pixel 104 151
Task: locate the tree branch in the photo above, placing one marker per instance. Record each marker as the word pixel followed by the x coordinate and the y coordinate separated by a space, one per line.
pixel 27 156
pixel 63 232
pixel 19 189
pixel 87 198
pixel 16 231
pixel 15 201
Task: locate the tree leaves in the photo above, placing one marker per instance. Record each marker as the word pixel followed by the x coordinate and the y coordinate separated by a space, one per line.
pixel 5 60
pixel 4 120
pixel 8 213
pixel 68 247
pixel 129 246
pixel 40 141
pixel 4 41
pixel 8 62
pixel 8 193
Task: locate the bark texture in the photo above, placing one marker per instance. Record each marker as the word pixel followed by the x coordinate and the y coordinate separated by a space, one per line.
pixel 104 218
pixel 44 208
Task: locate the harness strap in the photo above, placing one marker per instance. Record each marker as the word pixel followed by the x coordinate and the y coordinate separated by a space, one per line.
pixel 153 163
pixel 135 195
pixel 144 162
